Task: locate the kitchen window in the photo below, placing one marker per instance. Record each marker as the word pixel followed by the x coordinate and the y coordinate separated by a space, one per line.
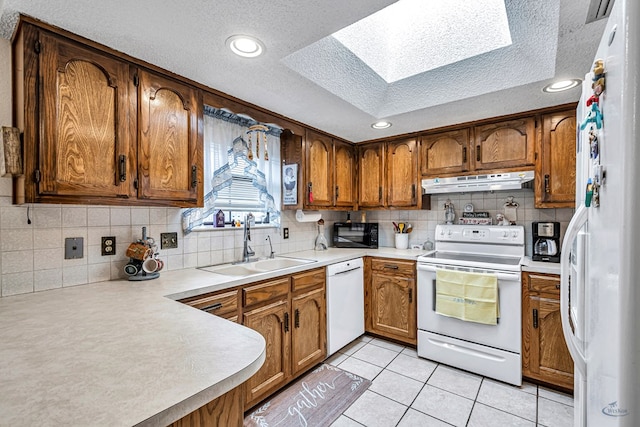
pixel 241 169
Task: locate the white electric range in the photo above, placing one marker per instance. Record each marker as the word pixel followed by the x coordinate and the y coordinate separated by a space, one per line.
pixel 490 350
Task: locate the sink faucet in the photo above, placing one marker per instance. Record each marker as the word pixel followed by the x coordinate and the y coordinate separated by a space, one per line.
pixel 247 252
pixel 272 254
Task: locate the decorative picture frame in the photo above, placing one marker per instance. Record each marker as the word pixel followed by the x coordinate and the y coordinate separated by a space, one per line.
pixel 290 184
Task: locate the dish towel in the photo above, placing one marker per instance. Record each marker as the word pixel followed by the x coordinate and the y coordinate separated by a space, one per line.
pixel 472 297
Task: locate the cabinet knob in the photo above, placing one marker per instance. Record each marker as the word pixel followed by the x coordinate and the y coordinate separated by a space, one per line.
pixel 478 153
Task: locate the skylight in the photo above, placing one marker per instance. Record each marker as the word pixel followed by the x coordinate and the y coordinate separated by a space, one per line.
pixel 414 36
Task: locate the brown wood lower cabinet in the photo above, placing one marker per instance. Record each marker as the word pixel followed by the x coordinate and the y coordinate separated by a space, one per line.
pixel 272 322
pixel 390 299
pixel 545 356
pixel 289 312
pixel 226 410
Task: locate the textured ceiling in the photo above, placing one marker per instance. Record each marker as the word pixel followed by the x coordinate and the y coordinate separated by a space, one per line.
pixel 331 89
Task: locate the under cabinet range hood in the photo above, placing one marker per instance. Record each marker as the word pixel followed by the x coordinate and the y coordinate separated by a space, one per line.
pixel 475 183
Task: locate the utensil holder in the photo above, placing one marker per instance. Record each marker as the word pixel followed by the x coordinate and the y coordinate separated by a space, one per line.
pixel 402 240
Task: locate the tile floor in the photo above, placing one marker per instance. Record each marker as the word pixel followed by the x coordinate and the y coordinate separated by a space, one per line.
pixel 410 391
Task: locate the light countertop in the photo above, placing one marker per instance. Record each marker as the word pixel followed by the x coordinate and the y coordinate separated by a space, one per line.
pixel 541 267
pixel 125 353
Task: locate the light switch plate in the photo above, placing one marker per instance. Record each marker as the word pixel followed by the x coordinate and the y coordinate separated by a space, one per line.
pixel 73 247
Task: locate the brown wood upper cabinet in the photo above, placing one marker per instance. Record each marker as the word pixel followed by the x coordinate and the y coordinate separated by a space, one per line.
pixel 503 145
pixel 389 174
pixel 329 172
pixel 100 130
pixel 556 165
pixel 371 175
pixel 445 152
pixel 495 146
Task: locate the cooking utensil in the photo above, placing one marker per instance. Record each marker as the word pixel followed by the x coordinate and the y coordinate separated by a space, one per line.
pixel 395 226
pixel 409 229
pixel 401 227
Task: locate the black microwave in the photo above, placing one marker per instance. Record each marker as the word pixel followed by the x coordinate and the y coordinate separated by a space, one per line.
pixel 355 235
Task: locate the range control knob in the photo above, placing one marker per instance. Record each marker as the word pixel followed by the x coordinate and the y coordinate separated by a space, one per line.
pixel 505 234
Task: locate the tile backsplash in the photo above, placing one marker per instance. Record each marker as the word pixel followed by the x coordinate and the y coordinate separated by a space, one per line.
pixel 32 254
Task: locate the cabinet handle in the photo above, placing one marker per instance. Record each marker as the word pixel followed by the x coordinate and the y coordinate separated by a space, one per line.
pixel 535 318
pixel 558 286
pixel 464 154
pixel 310 190
pixel 337 193
pixel 478 155
pixel 212 307
pixel 296 319
pixel 286 322
pixel 410 295
pixel 546 184
pixel 123 168
pixel 379 193
pixel 194 176
pixel 391 266
pixel 413 192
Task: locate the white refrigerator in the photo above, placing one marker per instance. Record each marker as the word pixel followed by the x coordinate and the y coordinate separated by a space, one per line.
pixel 600 291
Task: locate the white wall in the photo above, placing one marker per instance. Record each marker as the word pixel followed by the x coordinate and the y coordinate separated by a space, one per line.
pixel 32 255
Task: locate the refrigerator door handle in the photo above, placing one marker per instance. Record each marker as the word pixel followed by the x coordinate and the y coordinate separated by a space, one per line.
pixel 574 345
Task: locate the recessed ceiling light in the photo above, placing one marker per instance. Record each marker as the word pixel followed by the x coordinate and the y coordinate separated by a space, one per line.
pixel 382 124
pixel 561 85
pixel 245 46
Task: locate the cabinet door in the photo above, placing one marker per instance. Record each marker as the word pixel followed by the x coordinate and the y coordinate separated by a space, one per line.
pixel 393 307
pixel 345 174
pixel 169 140
pixel 272 321
pixel 309 332
pixel 549 357
pixel 319 173
pixel 371 175
pixel 84 122
pixel 445 153
pixel 556 167
pixel 508 144
pixel 402 174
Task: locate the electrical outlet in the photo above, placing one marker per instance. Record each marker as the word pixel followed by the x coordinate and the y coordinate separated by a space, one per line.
pixel 73 247
pixel 285 233
pixel 168 240
pixel 108 245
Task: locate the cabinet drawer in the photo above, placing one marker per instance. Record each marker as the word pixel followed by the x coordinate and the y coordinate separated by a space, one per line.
pixel 394 266
pixel 308 279
pixel 224 304
pixel 265 291
pixel 542 283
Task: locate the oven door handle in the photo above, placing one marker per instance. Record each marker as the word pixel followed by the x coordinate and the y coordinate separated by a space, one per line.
pixel 500 275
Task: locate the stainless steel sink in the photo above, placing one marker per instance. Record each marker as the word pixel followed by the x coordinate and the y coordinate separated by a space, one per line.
pixel 256 267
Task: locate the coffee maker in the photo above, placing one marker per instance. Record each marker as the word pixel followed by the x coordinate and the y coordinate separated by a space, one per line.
pixel 546 241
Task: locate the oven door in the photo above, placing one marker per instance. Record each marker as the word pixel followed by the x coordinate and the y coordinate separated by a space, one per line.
pixel 506 335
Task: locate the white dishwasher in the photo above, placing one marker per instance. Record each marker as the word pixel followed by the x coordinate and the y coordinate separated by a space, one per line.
pixel 345 303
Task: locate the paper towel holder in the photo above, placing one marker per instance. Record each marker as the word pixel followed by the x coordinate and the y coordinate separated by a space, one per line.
pixel 307 216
